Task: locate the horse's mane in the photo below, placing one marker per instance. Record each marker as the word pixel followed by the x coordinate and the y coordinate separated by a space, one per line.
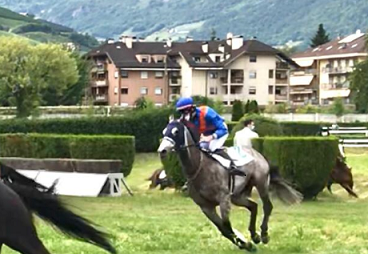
pixel 192 130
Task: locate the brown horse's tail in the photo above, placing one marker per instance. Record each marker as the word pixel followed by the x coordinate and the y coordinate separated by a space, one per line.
pixel 283 189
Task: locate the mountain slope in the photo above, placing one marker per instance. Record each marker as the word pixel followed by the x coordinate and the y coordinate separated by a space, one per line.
pixel 14 24
pixel 271 21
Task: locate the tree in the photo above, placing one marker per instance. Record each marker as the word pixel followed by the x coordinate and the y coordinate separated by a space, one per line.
pixel 72 94
pixel 253 107
pixel 237 111
pixel 142 103
pixel 359 86
pixel 321 37
pixel 246 107
pixel 213 34
pixel 338 107
pixel 28 69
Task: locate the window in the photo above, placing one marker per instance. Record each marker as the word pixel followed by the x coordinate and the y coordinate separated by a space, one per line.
pixel 252 90
pixel 124 91
pixel 115 90
pixel 213 75
pixel 270 89
pixel 252 74
pixel 116 74
pixel 159 74
pixel 218 59
pixel 270 73
pixel 144 59
pixel 160 59
pixel 213 90
pixel 124 74
pixel 144 90
pixel 175 90
pixel 253 59
pixel 197 59
pixel 144 75
pixel 158 91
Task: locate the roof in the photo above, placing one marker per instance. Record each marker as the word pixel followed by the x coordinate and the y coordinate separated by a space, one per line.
pixel 124 57
pixel 352 44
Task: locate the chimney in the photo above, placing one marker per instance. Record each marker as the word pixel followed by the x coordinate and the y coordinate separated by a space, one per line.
pixel 110 41
pixel 229 36
pixel 189 38
pixel 169 43
pixel 123 38
pixel 205 47
pixel 358 31
pixel 129 42
pixel 237 42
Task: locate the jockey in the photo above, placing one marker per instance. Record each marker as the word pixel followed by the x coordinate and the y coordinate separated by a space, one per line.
pixel 210 125
pixel 243 137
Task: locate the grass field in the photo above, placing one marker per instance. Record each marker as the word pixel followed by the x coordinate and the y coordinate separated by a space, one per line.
pixel 166 222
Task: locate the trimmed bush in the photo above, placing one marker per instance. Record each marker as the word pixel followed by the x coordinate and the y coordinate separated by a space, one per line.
pixel 306 162
pixel 70 146
pixel 145 125
pixel 301 128
pixel 263 126
pixel 238 111
pixel 174 170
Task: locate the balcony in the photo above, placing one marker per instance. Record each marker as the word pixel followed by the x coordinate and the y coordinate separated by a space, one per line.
pixel 175 82
pixel 233 97
pixel 301 91
pixel 100 83
pixel 234 81
pixel 101 97
pixel 332 86
pixel 304 72
pixel 337 70
pixel 279 97
pixel 282 66
pixel 284 81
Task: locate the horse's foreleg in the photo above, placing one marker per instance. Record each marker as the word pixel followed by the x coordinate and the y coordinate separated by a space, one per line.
pixel 225 228
pixel 252 207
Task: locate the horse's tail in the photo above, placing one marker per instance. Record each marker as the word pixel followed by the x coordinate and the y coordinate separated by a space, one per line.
pixel 283 189
pixel 9 174
pixel 50 208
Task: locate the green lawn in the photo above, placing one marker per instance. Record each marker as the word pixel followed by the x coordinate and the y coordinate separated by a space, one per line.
pixel 166 222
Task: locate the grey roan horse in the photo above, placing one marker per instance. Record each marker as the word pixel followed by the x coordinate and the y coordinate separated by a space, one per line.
pixel 208 184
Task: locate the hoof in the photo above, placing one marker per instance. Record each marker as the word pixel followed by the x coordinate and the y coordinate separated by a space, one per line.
pixel 248 246
pixel 256 238
pixel 265 238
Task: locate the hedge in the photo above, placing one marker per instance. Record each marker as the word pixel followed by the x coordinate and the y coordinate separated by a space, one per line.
pixel 263 126
pixel 305 161
pixel 70 146
pixel 302 128
pixel 146 126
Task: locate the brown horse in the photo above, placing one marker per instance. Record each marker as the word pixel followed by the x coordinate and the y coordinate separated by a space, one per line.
pixel 159 178
pixel 342 175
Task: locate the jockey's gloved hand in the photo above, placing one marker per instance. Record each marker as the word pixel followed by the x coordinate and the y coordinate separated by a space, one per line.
pixel 204 145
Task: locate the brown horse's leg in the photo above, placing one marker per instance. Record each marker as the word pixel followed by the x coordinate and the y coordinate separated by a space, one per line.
pixel 225 228
pixel 253 208
pixel 349 190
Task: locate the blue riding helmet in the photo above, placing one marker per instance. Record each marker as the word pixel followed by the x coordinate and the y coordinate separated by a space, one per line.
pixel 184 102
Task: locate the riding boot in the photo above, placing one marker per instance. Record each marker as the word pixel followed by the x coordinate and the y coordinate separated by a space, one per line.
pixel 233 169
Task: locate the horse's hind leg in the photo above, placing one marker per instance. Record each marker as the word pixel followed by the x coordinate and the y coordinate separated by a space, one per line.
pixel 267 209
pixel 252 207
pixel 225 228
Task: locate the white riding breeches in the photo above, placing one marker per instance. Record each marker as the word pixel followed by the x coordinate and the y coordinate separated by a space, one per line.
pixel 217 143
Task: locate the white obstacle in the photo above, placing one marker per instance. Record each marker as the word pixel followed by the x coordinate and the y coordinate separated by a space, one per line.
pixel 80 184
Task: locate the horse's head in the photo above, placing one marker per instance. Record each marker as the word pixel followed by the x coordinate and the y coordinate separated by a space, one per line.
pixel 174 138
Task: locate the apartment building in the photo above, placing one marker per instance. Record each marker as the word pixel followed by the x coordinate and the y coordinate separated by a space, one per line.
pixel 324 71
pixel 226 70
